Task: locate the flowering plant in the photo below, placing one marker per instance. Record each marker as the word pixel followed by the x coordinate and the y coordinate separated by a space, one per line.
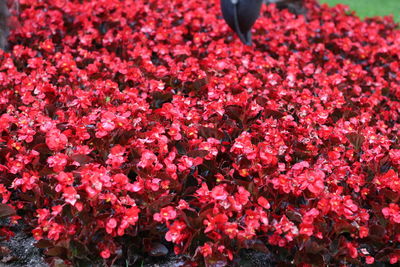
pixel 139 127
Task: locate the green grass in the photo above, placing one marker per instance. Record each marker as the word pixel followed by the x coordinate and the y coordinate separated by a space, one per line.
pixel 371 8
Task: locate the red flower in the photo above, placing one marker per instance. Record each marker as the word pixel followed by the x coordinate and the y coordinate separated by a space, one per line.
pixel 37 233
pixel 176 232
pixel 141 113
pixel 27 182
pixel 242 196
pixel 111 225
pixel 306 229
pixel 120 179
pixel 106 125
pixel 105 254
pixel 55 140
pixel 314 181
pixel 390 180
pixel 263 202
pixel 369 260
pixel 352 250
pixel 392 212
pixel 174 132
pixel 393 259
pixel 215 222
pixel 218 193
pixel 166 214
pixel 116 157
pixel 55 231
pixel 65 178
pixel 363 231
pixel 58 162
pixel 243 145
pixel 231 229
pixel 70 195
pixel 206 250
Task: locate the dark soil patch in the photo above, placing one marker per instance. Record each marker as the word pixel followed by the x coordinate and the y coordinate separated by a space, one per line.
pixel 246 258
pixel 22 251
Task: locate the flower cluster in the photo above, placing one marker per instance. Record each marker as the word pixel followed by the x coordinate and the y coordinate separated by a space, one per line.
pixel 142 126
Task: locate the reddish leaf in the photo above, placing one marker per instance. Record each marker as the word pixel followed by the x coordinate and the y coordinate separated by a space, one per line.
pixel 234 111
pixel 81 159
pixel 197 153
pixel 356 140
pixel 43 244
pixel 273 113
pixel 6 211
pixel 208 132
pixel 56 252
pixel 159 98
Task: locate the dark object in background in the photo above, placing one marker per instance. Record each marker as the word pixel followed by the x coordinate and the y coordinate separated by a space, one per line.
pixel 241 15
pixel 4 14
pixel 294 6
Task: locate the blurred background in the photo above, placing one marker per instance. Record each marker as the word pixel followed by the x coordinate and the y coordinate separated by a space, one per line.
pixel 371 8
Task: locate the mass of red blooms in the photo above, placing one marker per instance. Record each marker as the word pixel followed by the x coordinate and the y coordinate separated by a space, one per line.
pixel 130 126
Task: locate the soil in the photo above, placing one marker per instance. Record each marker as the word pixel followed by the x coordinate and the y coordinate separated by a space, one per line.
pixel 169 261
pixel 249 259
pixel 20 251
pixel 246 258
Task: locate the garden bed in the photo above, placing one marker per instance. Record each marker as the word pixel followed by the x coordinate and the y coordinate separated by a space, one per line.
pixel 141 128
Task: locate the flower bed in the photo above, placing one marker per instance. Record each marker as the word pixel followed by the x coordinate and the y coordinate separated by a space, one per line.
pixel 133 127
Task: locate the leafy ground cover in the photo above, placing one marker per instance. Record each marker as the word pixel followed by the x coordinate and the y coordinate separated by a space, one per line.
pixel 140 128
pixel 371 8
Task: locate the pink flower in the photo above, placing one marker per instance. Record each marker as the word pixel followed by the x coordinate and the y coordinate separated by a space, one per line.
pixel 166 214
pixel 263 202
pixel 219 193
pixel 369 260
pixel 111 225
pixel 105 254
pixel 58 162
pixel 176 232
pixel 55 140
pixel 70 195
pixel 206 250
